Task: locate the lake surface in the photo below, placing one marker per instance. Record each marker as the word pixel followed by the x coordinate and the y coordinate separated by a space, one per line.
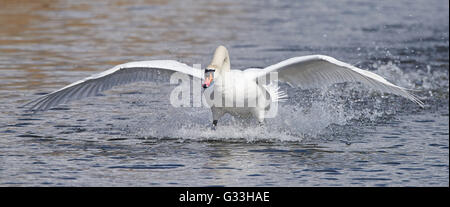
pixel 344 135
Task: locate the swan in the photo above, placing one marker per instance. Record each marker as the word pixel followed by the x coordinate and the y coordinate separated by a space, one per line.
pixel 231 86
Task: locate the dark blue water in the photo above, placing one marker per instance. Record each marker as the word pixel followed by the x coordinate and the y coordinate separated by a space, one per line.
pixel 345 135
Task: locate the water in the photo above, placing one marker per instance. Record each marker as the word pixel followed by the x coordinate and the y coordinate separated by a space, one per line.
pixel 344 135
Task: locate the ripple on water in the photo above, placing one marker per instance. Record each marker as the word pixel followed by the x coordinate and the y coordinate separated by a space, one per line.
pixel 371 179
pixel 391 137
pixel 29 136
pixel 79 159
pixel 60 109
pixel 412 169
pixel 8 131
pixel 147 167
pixel 255 175
pixel 116 139
pixel 29 119
pixel 23 124
pixel 424 120
pixel 66 178
pixel 391 163
pixel 329 170
pixel 268 150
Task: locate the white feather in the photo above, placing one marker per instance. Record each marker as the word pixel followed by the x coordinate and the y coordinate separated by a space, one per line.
pixel 119 75
pixel 317 71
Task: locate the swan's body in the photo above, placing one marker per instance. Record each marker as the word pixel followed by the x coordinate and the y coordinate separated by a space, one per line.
pixel 234 84
pixel 235 87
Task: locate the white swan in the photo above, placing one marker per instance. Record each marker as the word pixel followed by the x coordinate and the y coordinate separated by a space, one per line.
pixel 311 71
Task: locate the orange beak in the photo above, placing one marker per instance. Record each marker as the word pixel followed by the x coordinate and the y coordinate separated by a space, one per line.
pixel 208 81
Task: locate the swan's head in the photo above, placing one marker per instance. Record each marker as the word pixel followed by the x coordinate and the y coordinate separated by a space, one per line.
pixel 219 63
pixel 209 78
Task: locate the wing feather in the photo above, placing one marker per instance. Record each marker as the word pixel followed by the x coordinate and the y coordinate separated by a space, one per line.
pixel 316 71
pixel 156 71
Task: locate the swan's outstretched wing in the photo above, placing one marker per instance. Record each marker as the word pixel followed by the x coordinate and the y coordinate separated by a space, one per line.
pixel 157 70
pixel 316 71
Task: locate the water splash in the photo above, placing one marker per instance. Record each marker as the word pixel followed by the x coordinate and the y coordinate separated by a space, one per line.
pixel 307 113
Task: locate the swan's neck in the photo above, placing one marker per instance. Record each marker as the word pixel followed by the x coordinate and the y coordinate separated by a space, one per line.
pixel 221 60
